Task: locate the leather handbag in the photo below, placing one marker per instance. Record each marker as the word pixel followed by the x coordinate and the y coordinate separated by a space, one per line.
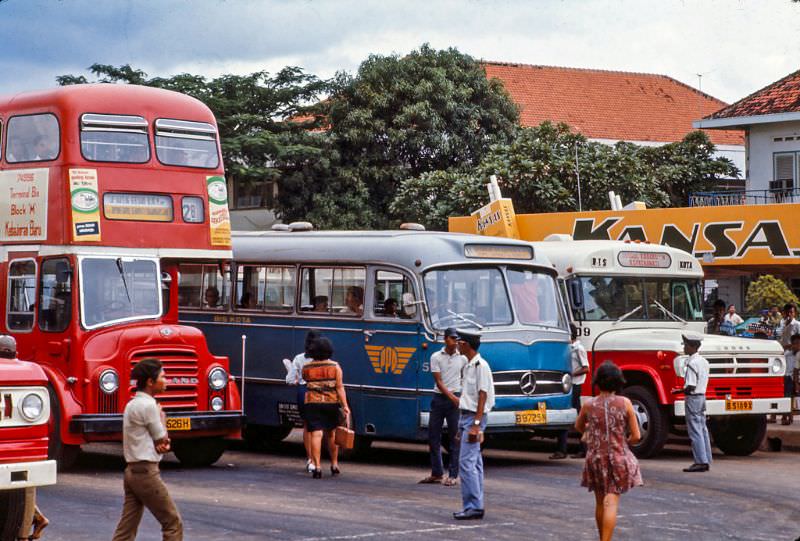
pixel 344 436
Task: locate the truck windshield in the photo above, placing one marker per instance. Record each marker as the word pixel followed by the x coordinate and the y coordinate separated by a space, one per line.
pixel 113 289
pixel 634 298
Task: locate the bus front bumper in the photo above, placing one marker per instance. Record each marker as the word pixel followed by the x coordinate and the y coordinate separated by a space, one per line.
pixel 507 420
pixel 757 406
pixel 27 474
pixel 187 422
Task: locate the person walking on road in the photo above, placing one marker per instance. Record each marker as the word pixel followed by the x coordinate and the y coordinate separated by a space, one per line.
pixel 477 400
pixel 144 442
pixel 294 376
pixel 325 402
pixel 446 366
pixel 792 356
pixel 610 469
pixel 579 367
pixel 694 390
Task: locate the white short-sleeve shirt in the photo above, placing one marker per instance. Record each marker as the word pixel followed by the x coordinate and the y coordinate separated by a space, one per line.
pixel 697 373
pixel 295 373
pixel 789 329
pixel 477 376
pixel 141 427
pixel 449 366
pixel 579 359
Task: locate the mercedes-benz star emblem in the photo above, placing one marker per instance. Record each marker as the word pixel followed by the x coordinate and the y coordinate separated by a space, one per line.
pixel 527 383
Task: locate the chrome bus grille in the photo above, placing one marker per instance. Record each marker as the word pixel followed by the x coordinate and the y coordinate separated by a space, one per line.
pixel 182 374
pixel 527 383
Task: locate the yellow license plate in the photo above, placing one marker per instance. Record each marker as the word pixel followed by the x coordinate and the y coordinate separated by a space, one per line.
pixel 531 417
pixel 738 405
pixel 179 423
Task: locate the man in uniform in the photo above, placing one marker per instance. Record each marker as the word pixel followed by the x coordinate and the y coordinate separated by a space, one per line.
pixel 694 389
pixel 446 366
pixel 477 399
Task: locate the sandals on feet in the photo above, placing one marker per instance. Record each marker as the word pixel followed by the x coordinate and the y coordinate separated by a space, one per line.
pixel 430 480
pixel 450 482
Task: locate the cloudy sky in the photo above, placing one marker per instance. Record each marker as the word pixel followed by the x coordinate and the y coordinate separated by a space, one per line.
pixel 738 46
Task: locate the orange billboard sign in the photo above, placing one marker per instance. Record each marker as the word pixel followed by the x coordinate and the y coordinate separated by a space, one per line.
pixel 743 235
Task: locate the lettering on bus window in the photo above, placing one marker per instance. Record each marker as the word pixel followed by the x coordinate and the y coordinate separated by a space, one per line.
pixel 203 287
pixel 21 294
pixel 186 143
pixel 337 291
pixel 393 296
pixel 55 295
pixel 32 138
pixel 114 138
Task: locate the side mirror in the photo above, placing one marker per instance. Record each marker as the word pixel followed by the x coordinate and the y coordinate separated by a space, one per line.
pixel 409 305
pixel 575 294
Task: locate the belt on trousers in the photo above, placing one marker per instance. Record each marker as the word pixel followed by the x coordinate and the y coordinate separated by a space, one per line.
pixel 468 412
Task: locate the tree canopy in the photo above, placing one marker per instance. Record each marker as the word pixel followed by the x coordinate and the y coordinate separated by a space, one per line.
pixel 765 292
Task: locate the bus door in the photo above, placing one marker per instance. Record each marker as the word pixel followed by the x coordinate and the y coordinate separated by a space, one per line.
pixel 391 352
pixel 55 307
pixel 21 303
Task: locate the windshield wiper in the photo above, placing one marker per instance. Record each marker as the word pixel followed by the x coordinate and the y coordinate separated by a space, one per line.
pixel 625 316
pixel 465 319
pixel 667 312
pixel 124 281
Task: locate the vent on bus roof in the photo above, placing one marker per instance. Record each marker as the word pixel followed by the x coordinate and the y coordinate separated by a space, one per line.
pixel 124 123
pixel 166 127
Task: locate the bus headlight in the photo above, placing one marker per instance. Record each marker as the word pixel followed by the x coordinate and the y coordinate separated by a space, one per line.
pixel 31 407
pixel 217 403
pixel 217 379
pixel 777 365
pixel 566 383
pixel 109 381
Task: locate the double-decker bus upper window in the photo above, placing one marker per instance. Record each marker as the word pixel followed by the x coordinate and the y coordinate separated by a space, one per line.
pixel 535 297
pixel 333 290
pixel 186 143
pixel 21 294
pixel 114 138
pixel 640 298
pixel 393 295
pixel 32 138
pixel 55 295
pixel 203 286
pixel 115 289
pixel 468 296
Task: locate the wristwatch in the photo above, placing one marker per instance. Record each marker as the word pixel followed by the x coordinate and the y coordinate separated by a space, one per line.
pixel 476 422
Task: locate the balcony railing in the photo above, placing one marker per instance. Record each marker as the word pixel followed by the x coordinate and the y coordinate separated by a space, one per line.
pixel 744 197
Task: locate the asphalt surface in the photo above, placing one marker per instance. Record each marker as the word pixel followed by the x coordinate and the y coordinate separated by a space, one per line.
pixel 257 496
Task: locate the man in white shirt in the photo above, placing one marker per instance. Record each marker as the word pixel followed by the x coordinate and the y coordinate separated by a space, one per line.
pixel 144 441
pixel 792 356
pixel 790 325
pixel 694 389
pixel 446 368
pixel 579 368
pixel 732 317
pixel 477 400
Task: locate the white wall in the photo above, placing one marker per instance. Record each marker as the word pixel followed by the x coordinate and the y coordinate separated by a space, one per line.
pixel 761 146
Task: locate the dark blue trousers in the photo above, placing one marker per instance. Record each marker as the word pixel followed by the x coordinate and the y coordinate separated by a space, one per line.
pixel 442 409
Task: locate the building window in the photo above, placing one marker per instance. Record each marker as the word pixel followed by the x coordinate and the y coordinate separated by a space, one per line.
pixel 784 171
pixel 250 195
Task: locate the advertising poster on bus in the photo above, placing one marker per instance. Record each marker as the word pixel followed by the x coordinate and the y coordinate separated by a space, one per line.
pixel 23 204
pixel 219 217
pixel 85 205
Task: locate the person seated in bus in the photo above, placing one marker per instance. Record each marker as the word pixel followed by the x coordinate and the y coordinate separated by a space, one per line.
pixel 41 149
pixel 320 303
pixel 248 300
pixel 212 297
pixel 390 308
pixel 354 301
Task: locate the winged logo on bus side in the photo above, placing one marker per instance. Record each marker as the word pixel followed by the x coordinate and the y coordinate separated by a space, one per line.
pixel 389 360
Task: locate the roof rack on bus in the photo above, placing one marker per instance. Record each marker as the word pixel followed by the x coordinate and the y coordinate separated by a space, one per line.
pixel 411 226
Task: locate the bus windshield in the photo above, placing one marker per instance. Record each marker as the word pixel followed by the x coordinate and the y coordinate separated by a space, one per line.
pixel 478 297
pixel 611 298
pixel 119 290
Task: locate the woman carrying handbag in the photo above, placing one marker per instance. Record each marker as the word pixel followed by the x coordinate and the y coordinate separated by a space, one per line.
pixel 325 400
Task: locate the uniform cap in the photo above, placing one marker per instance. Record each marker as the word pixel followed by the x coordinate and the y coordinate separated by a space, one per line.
pixel 692 338
pixel 451 332
pixel 473 338
pixel 8 343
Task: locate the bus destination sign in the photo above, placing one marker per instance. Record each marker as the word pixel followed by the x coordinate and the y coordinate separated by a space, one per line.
pixel 137 206
pixel 650 260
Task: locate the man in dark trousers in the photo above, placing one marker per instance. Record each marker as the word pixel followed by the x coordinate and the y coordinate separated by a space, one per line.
pixel 144 441
pixel 694 389
pixel 477 400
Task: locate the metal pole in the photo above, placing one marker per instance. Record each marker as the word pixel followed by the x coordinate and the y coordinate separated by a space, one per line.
pixel 578 174
pixel 244 348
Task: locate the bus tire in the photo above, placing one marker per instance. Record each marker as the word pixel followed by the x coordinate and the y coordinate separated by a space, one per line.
pixel 198 452
pixel 738 435
pixel 653 421
pixel 65 455
pixel 12 513
pixel 264 438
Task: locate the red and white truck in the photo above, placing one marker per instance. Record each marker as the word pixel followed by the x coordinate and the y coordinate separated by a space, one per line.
pixel 632 301
pixel 24 417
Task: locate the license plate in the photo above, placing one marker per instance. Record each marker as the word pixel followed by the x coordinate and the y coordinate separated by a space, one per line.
pixel 738 405
pixel 531 417
pixel 179 423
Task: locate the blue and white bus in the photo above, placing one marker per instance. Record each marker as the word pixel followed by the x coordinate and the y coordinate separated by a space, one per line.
pixel 384 298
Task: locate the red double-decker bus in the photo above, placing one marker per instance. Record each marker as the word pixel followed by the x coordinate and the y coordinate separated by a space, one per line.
pixel 103 189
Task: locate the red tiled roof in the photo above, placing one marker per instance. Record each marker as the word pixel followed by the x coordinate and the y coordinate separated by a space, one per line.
pixel 782 96
pixel 609 104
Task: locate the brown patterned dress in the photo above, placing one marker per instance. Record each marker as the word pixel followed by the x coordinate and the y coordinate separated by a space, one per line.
pixel 610 465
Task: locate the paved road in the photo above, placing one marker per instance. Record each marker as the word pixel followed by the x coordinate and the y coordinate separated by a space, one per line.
pixel 256 496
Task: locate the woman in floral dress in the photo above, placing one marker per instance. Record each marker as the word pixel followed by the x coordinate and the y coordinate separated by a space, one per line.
pixel 608 424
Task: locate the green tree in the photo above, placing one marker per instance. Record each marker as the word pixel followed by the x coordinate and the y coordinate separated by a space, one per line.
pixel 767 291
pixel 400 117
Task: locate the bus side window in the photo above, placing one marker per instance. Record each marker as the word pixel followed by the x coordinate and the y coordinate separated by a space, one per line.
pixel 55 295
pixel 21 294
pixel 32 138
pixel 202 286
pixel 336 291
pixel 393 296
pixel 251 281
pixel 280 289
